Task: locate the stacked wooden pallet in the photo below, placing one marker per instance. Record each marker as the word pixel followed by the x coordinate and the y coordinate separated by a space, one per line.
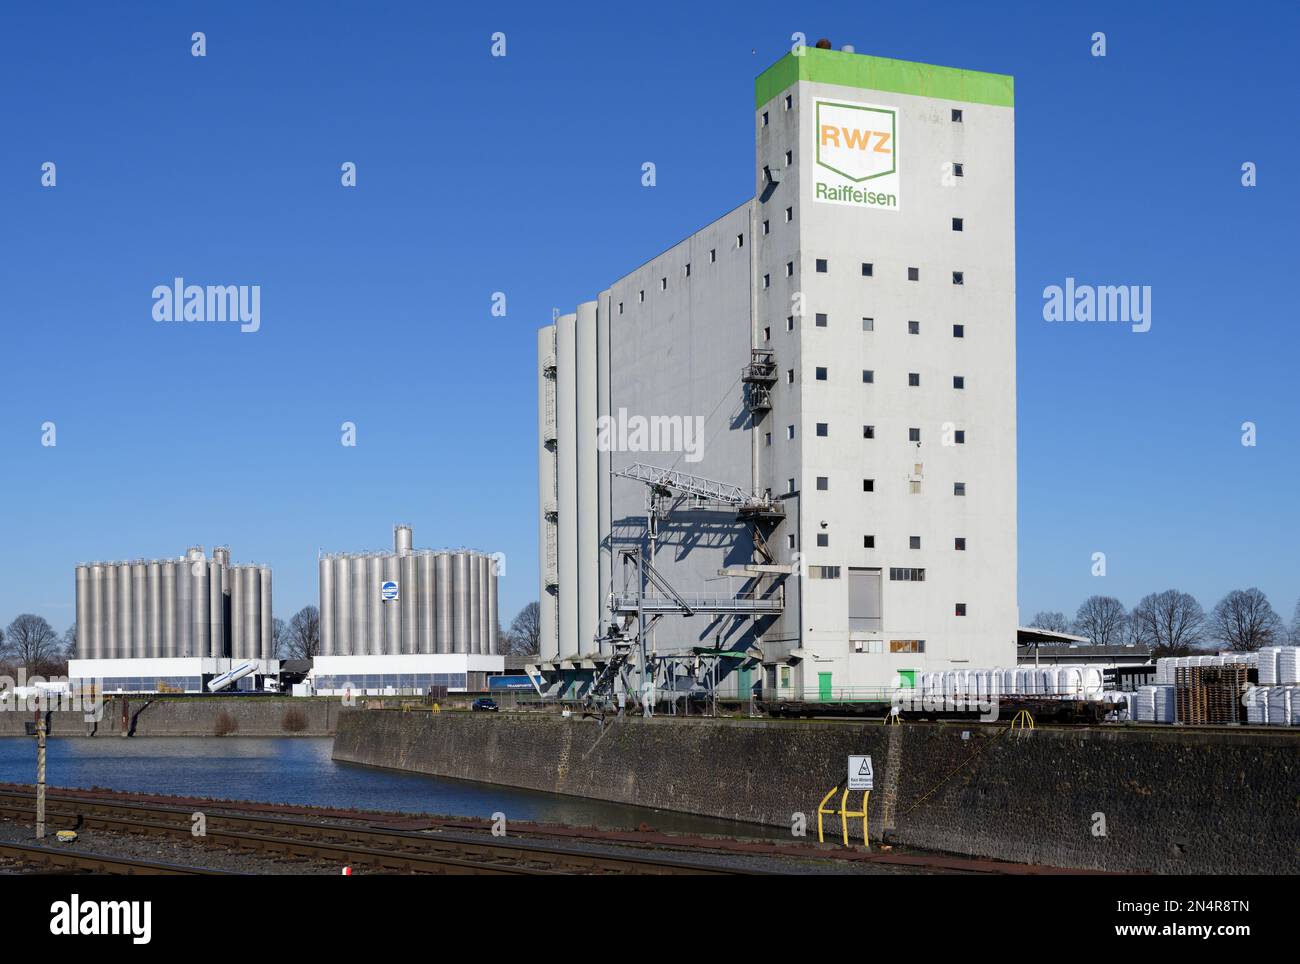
pixel 1209 694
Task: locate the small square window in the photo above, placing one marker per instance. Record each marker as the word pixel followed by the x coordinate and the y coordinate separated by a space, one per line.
pixel 958 170
pixel 789 488
pixel 789 269
pixel 914 486
pixel 767 438
pixel 868 375
pixel 959 488
pixel 767 333
pixel 957 224
pixel 823 483
pixel 913 274
pixel 764 118
pixel 821 265
pixel 789 215
pixel 868 431
pixel 789 431
pixel 820 319
pixel 868 542
pixel 868 485
pixel 740 240
pixel 789 158
pixel 960 436
pixel 620 307
pixel 914 542
pixel 789 323
pixel 687 270
pixel 914 435
pixel 913 327
pixel 789 540
pixel 959 543
pixel 713 255
pixel 868 324
pixel 767 281
pixel 958 381
pixel 823 429
pixel 821 374
pixel 767 227
pixel 789 376
pixel 823 540
pixel 956 115
pixel 913 379
pixel 961 609
pixel 959 331
pixel 663 284
pixel 789 101
pixel 959 277
pixel 867 269
pixel 641 295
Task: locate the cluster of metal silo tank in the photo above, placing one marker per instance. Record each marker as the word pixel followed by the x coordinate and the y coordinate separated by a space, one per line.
pixel 166 608
pixel 447 601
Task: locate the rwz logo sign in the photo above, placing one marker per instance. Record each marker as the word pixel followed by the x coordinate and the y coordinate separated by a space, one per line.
pixel 855 144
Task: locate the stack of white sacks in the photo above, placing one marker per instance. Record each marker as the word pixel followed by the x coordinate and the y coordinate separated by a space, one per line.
pixel 973 685
pixel 1275 701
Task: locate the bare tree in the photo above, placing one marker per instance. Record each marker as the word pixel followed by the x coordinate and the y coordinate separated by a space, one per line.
pixel 32 642
pixel 1295 626
pixel 1101 619
pixel 524 638
pixel 279 638
pixel 1244 621
pixel 1051 621
pixel 70 642
pixel 303 634
pixel 1170 622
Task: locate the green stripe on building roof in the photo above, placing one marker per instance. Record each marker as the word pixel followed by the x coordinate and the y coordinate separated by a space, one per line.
pixel 880 73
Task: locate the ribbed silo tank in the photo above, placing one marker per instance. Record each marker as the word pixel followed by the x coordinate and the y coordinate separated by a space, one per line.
pixel 252 613
pixel 109 625
pixel 410 600
pixel 169 641
pixel 125 628
pixel 216 608
pixel 221 555
pixel 139 629
pixel 403 540
pixel 393 608
pixel 153 609
pixel 493 616
pixel 427 600
pixel 201 607
pixel 358 567
pixel 444 615
pixel 461 602
pixel 374 604
pixel 325 573
pixel 184 609
pixel 268 627
pixel 475 609
pixel 83 609
pixel 485 609
pixel 237 645
pixel 95 624
pixel 342 607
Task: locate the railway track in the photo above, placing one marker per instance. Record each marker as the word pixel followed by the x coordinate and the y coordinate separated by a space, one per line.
pixel 381 849
pixel 63 859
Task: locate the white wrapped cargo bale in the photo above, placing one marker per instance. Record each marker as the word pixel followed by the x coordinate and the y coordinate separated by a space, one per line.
pixel 1257 705
pixel 1287 670
pixel 1268 659
pixel 1166 711
pixel 1295 706
pixel 1279 706
pixel 1145 700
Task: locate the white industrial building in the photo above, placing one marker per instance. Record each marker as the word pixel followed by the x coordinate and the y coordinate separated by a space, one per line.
pixel 810 401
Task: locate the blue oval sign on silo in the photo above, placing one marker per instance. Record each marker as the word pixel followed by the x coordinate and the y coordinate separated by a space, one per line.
pixel 388 590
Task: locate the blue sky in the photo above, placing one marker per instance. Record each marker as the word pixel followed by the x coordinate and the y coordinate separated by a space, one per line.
pixel 478 175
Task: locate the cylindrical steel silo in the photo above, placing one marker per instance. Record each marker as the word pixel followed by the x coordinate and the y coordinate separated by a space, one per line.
pixel 358 566
pixel 374 604
pixel 342 606
pixel 393 608
pixel 444 614
pixel 403 540
pixel 216 608
pixel 140 609
pixel 184 609
pixel 325 571
pixel 237 603
pixel 125 630
pixel 475 608
pixel 494 623
pixel 424 562
pixel 95 629
pixel 410 598
pixel 83 611
pixel 460 601
pixel 222 555
pixel 201 603
pixel 169 613
pixel 252 613
pixel 268 628
pixel 110 623
pixel 153 635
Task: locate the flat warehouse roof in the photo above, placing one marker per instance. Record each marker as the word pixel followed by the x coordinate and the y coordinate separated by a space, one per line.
pixel 881 73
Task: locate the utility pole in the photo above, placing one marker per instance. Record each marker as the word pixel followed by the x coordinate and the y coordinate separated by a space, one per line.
pixel 40 771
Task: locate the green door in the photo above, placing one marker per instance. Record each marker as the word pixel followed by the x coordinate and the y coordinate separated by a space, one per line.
pixel 907 678
pixel 744 684
pixel 824 686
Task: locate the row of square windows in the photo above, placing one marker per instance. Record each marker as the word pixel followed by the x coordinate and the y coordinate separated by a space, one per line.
pixel 822 320
pixel 869 485
pixel 869 375
pixel 957 115
pixel 823 430
pixel 914 542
